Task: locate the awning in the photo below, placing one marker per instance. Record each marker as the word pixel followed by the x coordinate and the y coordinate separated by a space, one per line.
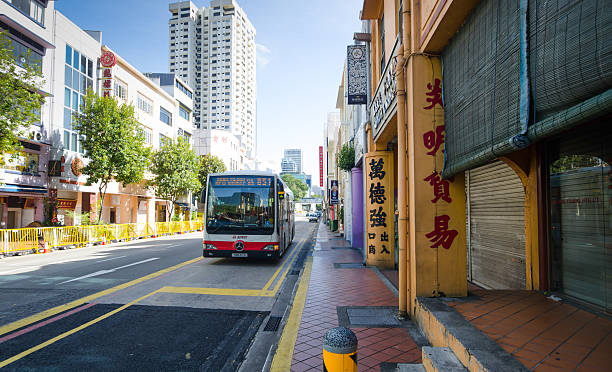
pixel 27 33
pixel 182 205
pixel 23 188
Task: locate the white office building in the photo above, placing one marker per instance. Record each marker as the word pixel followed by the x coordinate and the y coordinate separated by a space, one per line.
pixel 213 50
pixel 295 155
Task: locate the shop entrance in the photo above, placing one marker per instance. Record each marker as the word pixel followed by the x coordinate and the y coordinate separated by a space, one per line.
pixel 13 218
pixel 580 228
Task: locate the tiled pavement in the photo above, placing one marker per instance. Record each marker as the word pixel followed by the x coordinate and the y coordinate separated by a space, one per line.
pixel 543 334
pixel 331 287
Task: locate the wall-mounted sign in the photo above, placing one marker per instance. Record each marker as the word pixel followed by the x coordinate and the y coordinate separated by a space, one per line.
pixel 77 166
pixel 66 204
pixel 333 195
pixel 107 60
pixel 357 75
pixel 380 223
pixel 55 168
pixel 320 166
pixel 386 92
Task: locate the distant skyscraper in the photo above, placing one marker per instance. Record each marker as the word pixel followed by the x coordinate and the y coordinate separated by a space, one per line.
pixel 296 156
pixel 213 49
pixel 288 166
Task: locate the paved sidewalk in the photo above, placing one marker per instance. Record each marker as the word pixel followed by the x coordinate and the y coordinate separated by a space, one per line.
pixel 544 335
pixel 332 287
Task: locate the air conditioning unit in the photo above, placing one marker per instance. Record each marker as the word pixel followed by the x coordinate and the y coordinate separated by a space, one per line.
pixel 34 135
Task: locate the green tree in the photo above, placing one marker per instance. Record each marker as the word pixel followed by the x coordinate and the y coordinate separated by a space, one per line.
pixel 210 164
pixel 113 141
pixel 176 168
pixel 346 157
pixel 298 187
pixel 20 99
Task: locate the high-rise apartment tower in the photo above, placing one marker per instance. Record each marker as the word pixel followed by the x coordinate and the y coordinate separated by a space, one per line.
pixel 213 50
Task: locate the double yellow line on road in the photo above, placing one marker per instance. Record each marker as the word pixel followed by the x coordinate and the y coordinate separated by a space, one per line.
pixel 264 292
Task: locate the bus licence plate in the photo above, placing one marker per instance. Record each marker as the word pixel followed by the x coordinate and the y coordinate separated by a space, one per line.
pixel 240 255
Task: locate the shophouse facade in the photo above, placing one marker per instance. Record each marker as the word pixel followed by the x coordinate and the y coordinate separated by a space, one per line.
pixel 496 114
pixel 24 177
pixel 45 182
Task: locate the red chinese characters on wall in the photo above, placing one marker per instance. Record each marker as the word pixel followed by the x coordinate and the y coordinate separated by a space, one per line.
pixel 441 235
pixel 434 95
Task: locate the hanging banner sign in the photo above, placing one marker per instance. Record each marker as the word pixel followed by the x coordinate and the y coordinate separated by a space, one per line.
pixel 357 75
pixel 333 195
pixel 107 60
pixel 379 213
pixel 320 166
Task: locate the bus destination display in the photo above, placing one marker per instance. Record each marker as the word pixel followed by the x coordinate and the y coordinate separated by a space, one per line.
pixel 241 181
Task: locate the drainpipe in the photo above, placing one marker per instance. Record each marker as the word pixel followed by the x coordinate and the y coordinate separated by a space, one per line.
pixel 401 182
pixel 402 153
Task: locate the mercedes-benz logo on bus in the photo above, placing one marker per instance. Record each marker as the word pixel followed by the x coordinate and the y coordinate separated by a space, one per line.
pixel 239 245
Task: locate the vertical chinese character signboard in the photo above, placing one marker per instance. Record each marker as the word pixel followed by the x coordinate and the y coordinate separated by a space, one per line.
pixel 438 222
pixel 321 166
pixel 107 60
pixel 379 213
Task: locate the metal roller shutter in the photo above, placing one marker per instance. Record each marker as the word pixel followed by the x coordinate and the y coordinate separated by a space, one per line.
pixel 496 229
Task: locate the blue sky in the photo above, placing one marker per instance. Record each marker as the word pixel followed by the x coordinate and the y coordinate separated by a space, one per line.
pixel 301 51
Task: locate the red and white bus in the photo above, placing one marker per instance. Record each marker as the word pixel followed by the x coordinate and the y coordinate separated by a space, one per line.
pixel 248 214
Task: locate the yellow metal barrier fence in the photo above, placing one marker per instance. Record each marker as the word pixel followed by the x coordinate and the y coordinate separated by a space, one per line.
pixel 39 238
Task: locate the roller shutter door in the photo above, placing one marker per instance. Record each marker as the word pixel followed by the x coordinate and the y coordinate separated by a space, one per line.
pixel 496 229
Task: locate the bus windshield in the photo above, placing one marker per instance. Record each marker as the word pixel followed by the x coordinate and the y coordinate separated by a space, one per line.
pixel 240 205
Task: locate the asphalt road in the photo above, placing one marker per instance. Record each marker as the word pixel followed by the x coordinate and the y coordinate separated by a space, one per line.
pixel 148 305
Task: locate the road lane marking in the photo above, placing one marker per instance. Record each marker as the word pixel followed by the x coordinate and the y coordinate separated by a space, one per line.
pixel 102 272
pixel 61 308
pixel 44 323
pixel 70 332
pixel 284 351
pixel 264 292
pixel 218 291
pixel 296 248
pixel 112 258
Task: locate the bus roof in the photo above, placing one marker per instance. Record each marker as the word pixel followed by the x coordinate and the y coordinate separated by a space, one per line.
pixel 245 173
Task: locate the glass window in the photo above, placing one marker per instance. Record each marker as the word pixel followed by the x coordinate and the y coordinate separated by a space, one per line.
pixel 165 116
pixel 75 101
pixel 68 76
pixel 67 118
pixel 145 104
pixel 163 140
pixel 75 59
pixel 90 68
pixel 67 97
pixel 68 55
pixel 83 64
pixel 120 89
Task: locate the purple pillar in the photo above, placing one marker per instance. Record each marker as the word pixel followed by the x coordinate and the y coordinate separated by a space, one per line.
pixel 357 206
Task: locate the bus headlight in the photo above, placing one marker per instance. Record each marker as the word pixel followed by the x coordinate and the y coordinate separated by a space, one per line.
pixel 209 246
pixel 271 247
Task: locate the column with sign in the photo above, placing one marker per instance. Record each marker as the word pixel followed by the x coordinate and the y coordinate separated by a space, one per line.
pixel 437 218
pixel 379 213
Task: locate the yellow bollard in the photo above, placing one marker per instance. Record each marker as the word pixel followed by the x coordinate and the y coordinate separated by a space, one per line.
pixel 339 350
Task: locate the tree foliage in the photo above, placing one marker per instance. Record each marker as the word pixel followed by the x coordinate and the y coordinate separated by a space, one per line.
pixel 176 168
pixel 20 100
pixel 346 158
pixel 298 187
pixel 113 142
pixel 210 164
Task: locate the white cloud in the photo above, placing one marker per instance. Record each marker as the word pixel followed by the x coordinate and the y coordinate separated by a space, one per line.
pixel 263 54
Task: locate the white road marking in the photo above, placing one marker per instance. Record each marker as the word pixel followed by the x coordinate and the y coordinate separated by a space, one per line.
pixel 113 258
pixel 102 272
